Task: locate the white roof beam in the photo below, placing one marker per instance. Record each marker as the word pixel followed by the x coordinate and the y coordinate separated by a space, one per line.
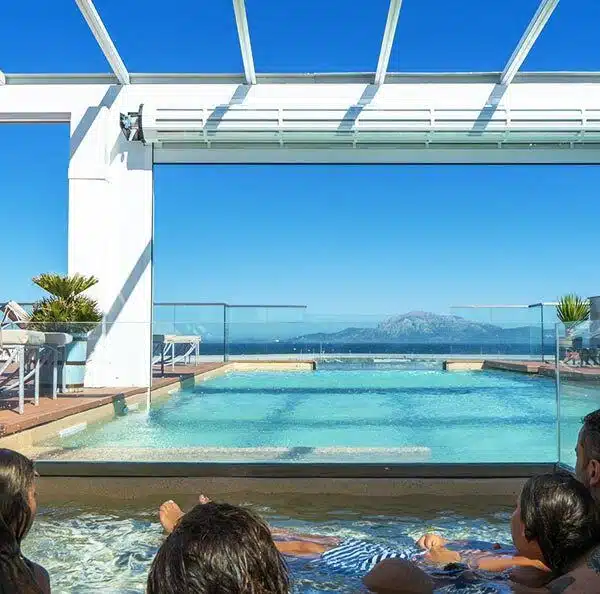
pixel 241 20
pixel 2 78
pixel 535 27
pixel 388 40
pixel 90 14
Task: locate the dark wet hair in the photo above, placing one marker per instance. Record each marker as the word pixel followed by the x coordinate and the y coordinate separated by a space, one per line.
pixel 219 548
pixel 591 435
pixel 16 479
pixel 561 515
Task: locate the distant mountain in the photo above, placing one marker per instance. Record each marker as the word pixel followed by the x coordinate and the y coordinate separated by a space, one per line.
pixel 421 326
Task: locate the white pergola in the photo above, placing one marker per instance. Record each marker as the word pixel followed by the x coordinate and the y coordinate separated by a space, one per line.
pixel 123 123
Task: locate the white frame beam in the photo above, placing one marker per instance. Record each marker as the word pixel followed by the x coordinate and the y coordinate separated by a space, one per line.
pixel 535 27
pixel 2 78
pixel 387 41
pixel 241 21
pixel 90 14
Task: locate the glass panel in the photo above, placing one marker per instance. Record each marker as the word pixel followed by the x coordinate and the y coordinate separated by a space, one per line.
pixel 302 388
pixel 578 381
pixel 186 334
pixel 518 332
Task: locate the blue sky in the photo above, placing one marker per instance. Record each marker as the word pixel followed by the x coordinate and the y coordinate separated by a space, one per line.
pixel 339 239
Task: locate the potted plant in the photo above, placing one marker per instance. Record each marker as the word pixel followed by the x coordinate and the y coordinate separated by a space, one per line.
pixel 67 310
pixel 571 310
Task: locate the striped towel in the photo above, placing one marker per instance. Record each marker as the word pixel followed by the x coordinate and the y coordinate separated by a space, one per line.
pixel 360 556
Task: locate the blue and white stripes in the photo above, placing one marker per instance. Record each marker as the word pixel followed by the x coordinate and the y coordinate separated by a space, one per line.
pixel 359 556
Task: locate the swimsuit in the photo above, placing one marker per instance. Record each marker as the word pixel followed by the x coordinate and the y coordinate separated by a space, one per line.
pixel 357 555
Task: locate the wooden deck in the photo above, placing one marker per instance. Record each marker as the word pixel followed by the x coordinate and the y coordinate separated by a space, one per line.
pixel 76 402
pixel 567 372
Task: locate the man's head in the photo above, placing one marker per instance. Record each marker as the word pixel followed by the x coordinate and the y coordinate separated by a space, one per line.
pixel 587 468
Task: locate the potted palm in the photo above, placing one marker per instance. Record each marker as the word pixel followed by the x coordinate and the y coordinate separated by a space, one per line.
pixel 67 310
pixel 572 310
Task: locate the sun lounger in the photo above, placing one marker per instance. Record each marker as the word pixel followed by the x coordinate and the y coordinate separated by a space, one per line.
pixel 13 315
pixel 30 349
pixel 23 347
pixel 165 345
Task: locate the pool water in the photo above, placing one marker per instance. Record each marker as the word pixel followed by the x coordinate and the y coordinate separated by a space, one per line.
pixel 89 549
pixel 344 414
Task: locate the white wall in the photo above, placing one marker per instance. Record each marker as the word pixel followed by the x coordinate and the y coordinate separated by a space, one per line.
pixel 110 237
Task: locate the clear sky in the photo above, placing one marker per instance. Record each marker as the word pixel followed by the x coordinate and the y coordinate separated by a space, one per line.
pixel 375 239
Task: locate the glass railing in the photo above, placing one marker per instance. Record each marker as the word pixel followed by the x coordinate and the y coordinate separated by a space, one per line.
pixel 239 384
pixel 577 380
pixel 532 326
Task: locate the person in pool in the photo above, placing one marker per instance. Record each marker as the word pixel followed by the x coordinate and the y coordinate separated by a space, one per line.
pixel 587 451
pixel 218 548
pixel 556 524
pixel 358 557
pixel 18 507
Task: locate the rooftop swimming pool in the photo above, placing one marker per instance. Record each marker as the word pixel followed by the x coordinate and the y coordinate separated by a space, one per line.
pixel 89 548
pixel 344 414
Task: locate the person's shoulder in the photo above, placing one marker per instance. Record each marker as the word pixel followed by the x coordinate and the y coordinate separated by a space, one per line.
pixel 581 580
pixel 565 584
pixel 42 577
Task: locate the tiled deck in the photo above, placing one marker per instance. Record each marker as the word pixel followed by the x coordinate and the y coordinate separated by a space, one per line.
pixel 76 402
pixel 568 372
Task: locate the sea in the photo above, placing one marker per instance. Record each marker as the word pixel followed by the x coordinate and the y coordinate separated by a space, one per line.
pixel 240 348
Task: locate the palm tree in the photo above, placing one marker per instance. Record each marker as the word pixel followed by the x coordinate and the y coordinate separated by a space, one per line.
pixel 67 310
pixel 572 310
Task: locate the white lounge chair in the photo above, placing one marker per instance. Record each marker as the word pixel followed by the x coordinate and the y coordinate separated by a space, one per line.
pixel 30 349
pixel 165 345
pixel 19 345
pixel 14 315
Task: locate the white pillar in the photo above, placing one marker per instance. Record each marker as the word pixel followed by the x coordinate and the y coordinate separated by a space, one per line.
pixel 110 237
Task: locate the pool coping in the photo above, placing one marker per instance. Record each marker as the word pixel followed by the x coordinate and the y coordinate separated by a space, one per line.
pixel 122 482
pixel 342 470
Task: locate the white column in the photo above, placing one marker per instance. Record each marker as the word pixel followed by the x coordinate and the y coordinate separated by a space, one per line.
pixel 110 236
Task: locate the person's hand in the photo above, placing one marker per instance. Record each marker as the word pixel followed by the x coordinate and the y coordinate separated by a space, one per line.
pixel 431 541
pixel 203 500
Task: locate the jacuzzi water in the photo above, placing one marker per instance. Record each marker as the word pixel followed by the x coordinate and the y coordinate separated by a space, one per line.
pixel 346 414
pixel 88 549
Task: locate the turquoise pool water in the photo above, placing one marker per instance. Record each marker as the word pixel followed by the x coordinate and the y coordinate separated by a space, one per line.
pixel 347 414
pixel 109 550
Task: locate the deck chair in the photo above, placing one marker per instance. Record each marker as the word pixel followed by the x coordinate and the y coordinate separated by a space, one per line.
pixel 23 348
pixel 164 349
pixel 14 315
pixel 26 348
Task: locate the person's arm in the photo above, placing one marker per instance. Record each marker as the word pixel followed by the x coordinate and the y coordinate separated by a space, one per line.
pixel 300 548
pixel 501 563
pixel 484 561
pixel 396 576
